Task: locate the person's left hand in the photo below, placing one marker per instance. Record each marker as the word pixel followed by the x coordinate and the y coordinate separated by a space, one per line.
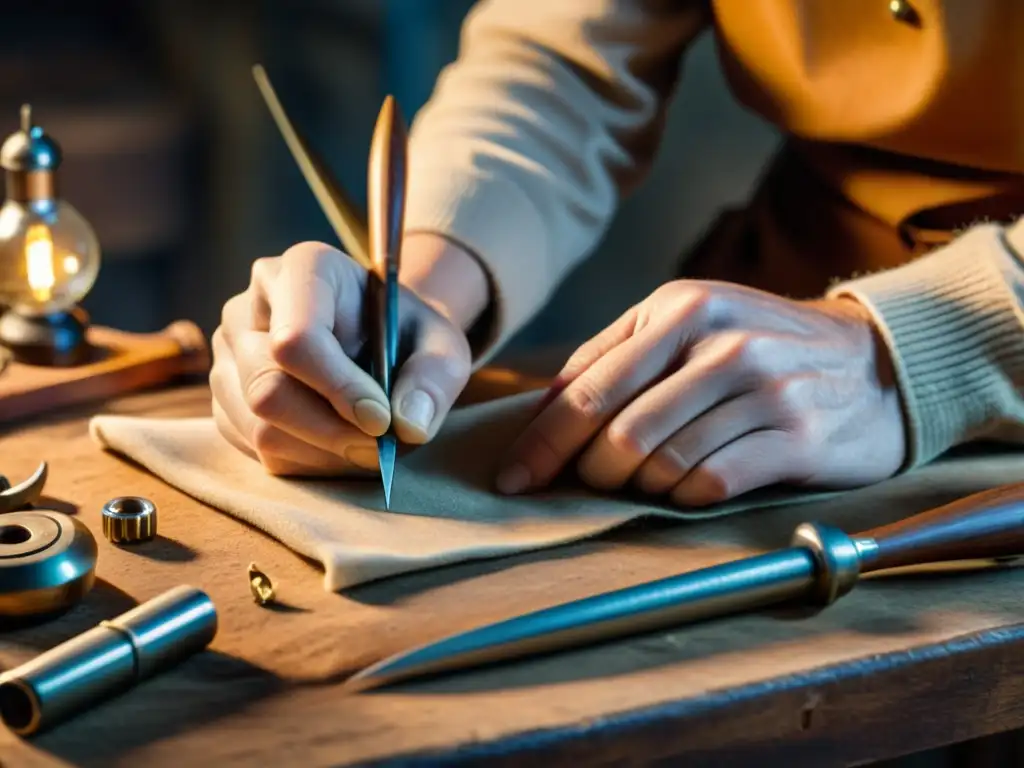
pixel 707 390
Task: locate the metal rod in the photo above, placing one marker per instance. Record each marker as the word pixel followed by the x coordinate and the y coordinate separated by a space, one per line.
pixel 106 660
pixel 716 591
pixel 822 565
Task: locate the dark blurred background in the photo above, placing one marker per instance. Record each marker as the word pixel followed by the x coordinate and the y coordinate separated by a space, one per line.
pixel 170 152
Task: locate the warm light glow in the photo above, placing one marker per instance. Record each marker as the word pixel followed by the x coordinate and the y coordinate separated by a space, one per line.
pixel 71 264
pixel 39 261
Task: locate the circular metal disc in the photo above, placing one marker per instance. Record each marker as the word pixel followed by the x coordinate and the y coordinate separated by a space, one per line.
pixel 47 562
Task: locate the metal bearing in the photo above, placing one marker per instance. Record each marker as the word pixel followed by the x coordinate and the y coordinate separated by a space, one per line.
pixel 129 520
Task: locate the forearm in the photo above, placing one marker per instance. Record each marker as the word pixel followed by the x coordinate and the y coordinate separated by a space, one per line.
pixel 550 114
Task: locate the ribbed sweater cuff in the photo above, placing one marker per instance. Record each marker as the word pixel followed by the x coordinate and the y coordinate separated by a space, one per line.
pixel 955 332
pixel 496 222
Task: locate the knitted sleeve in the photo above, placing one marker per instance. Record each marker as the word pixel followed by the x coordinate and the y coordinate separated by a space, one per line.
pixel 954 324
pixel 552 111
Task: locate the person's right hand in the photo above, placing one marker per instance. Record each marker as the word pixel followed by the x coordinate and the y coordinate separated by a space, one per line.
pixel 285 388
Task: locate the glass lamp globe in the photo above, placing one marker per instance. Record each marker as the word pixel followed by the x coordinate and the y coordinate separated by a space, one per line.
pixel 49 255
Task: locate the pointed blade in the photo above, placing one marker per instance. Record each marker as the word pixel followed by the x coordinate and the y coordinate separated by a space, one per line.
pixel 719 590
pixel 386 450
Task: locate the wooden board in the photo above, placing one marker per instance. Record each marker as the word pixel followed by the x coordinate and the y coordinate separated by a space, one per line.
pixel 122 362
pixel 900 665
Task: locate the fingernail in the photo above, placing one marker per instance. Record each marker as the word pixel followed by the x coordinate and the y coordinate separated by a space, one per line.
pixel 362 456
pixel 373 417
pixel 418 409
pixel 513 479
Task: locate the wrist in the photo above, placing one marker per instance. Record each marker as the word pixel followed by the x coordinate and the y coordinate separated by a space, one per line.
pixel 446 277
pixel 869 338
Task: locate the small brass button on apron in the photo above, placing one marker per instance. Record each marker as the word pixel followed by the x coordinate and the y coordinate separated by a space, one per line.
pixel 903 11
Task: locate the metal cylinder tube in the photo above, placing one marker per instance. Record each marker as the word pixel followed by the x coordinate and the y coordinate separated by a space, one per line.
pixel 106 660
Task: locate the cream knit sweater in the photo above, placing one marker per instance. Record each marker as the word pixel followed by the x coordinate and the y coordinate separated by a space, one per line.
pixel 552 113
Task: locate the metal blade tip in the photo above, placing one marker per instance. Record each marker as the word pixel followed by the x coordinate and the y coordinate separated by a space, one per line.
pixel 386 450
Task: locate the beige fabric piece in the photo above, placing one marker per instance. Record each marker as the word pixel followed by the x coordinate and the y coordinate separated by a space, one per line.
pixel 443 508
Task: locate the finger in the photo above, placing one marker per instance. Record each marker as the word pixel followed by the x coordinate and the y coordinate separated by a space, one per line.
pixel 278 399
pixel 276 465
pixel 594 349
pixel 756 460
pixel 235 317
pixel 723 367
pixel 429 381
pixel 316 298
pixel 264 273
pixel 278 451
pixel 229 431
pixel 583 408
pixel 669 464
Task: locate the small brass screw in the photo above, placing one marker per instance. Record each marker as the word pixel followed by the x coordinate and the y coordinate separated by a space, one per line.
pixel 260 585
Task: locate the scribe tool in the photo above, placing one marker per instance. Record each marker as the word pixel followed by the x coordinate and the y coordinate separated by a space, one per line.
pixel 386 193
pixel 821 565
pixel 378 250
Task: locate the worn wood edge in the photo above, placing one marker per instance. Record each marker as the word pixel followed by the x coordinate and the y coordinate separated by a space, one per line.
pixel 839 714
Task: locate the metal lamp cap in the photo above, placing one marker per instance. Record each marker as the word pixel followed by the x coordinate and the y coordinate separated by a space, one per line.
pixel 30 149
pixel 129 519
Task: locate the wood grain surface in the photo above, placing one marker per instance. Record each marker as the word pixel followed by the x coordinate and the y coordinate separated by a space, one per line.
pixel 904 663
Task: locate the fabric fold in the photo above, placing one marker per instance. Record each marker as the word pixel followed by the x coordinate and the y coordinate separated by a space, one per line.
pixel 443 508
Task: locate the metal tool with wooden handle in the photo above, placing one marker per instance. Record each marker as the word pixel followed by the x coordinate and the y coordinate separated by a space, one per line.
pixel 821 565
pixel 121 362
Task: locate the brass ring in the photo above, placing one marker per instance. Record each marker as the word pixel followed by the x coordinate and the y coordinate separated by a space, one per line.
pixel 129 520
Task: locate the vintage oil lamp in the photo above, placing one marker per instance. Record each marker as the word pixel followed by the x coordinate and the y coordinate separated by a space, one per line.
pixel 49 255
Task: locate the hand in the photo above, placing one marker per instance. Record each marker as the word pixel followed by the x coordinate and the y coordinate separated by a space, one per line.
pixel 285 388
pixel 705 391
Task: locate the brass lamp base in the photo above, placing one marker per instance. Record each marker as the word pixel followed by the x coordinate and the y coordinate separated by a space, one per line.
pixel 56 340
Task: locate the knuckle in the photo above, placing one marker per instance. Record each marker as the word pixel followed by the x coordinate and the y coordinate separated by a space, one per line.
pixel 266 393
pixel 787 397
pixel 585 399
pixel 704 487
pixel 309 253
pixel 628 439
pixel 216 379
pixel 263 269
pixel 275 466
pixel 233 310
pixel 265 439
pixel 540 450
pixel 218 342
pixel 686 301
pixel 671 457
pixel 289 345
pixel 746 352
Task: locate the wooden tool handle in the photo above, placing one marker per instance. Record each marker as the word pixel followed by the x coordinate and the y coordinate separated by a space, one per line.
pixel 122 362
pixel 984 525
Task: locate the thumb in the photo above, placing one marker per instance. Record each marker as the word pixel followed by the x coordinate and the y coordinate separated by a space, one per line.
pixel 430 380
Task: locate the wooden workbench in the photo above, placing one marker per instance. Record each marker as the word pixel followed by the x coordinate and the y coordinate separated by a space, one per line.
pixel 900 665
